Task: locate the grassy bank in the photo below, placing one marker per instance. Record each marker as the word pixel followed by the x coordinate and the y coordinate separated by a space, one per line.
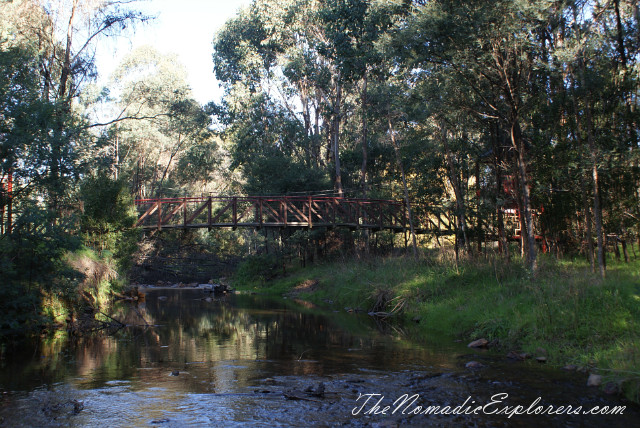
pixel 566 310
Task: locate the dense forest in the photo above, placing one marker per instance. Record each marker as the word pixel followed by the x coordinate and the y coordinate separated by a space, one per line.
pixel 508 127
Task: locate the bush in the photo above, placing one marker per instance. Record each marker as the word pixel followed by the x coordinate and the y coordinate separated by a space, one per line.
pixel 108 216
pixel 257 269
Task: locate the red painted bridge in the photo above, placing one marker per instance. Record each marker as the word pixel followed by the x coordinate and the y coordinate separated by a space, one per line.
pixel 271 211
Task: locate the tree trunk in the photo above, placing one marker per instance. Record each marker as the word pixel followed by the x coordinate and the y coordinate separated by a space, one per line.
pixel 64 101
pixel 396 149
pixel 625 251
pixel 597 209
pixel 503 243
pixel 478 216
pixel 455 183
pixel 336 137
pixel 587 219
pixel 363 169
pixel 530 240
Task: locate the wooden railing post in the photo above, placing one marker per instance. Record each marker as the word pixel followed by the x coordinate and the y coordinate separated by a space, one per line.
pixel 260 211
pixel 209 202
pixel 235 212
pixel 159 215
pixel 335 209
pixel 184 212
pixel 284 211
pixel 404 215
pixel 309 218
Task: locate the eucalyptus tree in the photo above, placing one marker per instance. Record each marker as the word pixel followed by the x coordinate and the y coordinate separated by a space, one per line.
pixel 63 36
pixel 353 28
pixel 488 51
pixel 157 122
pixel 604 112
pixel 273 109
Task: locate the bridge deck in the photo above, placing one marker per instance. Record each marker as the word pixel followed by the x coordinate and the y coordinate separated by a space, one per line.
pixel 261 211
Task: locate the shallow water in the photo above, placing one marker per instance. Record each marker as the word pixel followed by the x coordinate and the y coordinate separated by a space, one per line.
pixel 240 360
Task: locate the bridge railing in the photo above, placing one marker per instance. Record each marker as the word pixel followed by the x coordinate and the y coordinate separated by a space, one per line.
pixel 269 211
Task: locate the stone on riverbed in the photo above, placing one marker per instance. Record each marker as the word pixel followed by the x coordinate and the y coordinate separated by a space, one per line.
pixel 611 388
pixel 518 356
pixel 594 380
pixel 480 343
pixel 474 365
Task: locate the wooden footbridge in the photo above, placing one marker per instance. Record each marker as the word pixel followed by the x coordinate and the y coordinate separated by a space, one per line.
pixel 266 211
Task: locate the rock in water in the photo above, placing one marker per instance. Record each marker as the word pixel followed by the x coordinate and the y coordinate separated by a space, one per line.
pixel 594 380
pixel 480 343
pixel 474 365
pixel 611 388
pixel 541 351
pixel 517 356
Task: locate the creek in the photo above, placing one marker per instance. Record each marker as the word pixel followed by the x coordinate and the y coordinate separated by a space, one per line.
pixel 189 358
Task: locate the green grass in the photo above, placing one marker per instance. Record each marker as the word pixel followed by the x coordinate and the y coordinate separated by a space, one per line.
pixel 577 318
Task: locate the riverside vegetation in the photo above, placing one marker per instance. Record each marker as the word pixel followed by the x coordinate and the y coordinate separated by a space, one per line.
pixel 577 318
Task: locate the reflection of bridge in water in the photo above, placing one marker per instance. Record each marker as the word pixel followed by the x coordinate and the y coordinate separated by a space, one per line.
pixel 272 211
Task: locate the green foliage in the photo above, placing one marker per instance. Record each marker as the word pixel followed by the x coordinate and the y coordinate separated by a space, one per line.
pixel 108 218
pixel 35 270
pixel 257 269
pixel 279 175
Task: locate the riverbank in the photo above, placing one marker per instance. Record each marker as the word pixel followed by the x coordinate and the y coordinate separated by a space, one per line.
pixel 565 314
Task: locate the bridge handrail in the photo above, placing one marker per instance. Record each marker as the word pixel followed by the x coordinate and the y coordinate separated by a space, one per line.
pixel 178 199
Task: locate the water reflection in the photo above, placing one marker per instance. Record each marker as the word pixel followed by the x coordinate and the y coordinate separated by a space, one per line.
pixel 189 358
pixel 194 332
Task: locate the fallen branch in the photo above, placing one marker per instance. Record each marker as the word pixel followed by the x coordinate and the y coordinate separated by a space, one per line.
pixel 113 319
